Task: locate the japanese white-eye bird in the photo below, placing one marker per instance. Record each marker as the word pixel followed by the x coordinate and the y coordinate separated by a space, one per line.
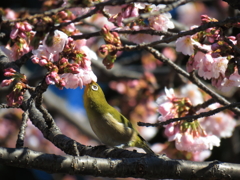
pixel 110 126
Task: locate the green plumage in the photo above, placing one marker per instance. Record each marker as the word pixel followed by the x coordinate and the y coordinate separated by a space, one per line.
pixel 110 126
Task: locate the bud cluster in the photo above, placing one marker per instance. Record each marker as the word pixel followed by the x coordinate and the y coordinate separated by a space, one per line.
pixel 109 50
pixel 15 98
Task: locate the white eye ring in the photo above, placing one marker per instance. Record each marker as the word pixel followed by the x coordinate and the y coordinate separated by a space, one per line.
pixel 94 87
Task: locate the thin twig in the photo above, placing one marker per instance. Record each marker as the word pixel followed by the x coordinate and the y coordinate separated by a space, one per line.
pixel 21 134
pixel 236 48
pixel 191 118
pixel 203 105
pixel 90 13
pixel 46 13
pixel 143 31
pixel 214 95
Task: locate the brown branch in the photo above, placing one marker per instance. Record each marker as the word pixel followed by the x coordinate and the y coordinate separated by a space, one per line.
pixel 151 167
pixel 46 13
pixel 203 105
pixel 21 134
pixel 191 118
pixel 214 95
pixel 192 78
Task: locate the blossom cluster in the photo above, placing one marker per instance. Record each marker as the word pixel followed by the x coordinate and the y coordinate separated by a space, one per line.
pixel 21 36
pixel 212 55
pixel 159 22
pixel 195 136
pixel 68 64
pixel 68 61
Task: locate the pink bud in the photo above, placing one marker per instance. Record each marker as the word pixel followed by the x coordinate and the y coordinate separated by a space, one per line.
pixel 135 12
pixel 17 25
pixel 70 40
pixel 9 70
pixel 26 48
pixel 22 27
pixel 63 60
pixel 42 62
pixel 35 60
pixel 14 33
pixel 27 26
pixel 105 27
pixel 72 16
pixel 20 98
pixel 6 82
pixel 233 38
pixel 44 57
pixel 22 34
pixel 8 74
pixel 53 74
pixel 63 14
pixel 62 83
pixel 49 80
pixel 74 70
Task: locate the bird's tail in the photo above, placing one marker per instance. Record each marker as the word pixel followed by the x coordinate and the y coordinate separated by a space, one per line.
pixel 143 144
pixel 147 149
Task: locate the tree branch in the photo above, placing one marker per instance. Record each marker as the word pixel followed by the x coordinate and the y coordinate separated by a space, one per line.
pixel 193 117
pixel 144 167
pixel 192 78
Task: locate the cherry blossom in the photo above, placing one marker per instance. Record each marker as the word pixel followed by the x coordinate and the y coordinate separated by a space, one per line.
pixel 220 124
pixel 188 136
pixel 192 92
pixel 160 22
pixel 205 64
pixel 225 84
pixel 84 77
pixel 187 142
pixel 59 40
pixel 200 155
pixel 219 66
pixel 185 45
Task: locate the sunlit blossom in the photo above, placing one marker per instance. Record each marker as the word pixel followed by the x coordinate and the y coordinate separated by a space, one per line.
pixel 187 142
pixel 160 22
pixel 185 45
pixel 59 39
pixel 73 81
pixel 220 124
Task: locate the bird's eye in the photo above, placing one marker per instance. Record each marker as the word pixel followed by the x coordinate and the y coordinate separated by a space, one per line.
pixel 94 87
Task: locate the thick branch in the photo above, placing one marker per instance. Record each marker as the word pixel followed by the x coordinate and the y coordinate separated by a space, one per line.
pixel 148 167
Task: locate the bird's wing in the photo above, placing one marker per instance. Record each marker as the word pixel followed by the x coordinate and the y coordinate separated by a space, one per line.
pixel 122 119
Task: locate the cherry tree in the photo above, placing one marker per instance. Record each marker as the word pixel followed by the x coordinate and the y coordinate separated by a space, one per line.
pixel 171 66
